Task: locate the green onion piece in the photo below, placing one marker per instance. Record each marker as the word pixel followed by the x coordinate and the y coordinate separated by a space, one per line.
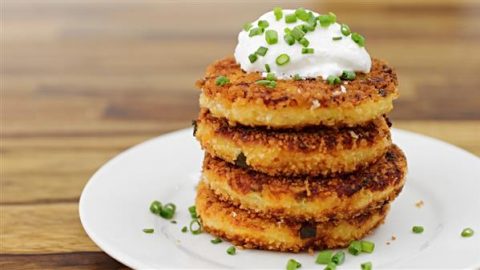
pixel 221 80
pixel 252 57
pixel 302 14
pixel 312 20
pixel 173 222
pixel 327 19
pixel 156 207
pixel 195 227
pixel 348 75
pixel 148 230
pixel 271 37
pixel 290 18
pixel 297 33
pixel 366 266
pixel 255 31
pixel 359 39
pixel 247 26
pixel 297 77
pixel 292 264
pixel 267 83
pixel 193 211
pixel 267 67
pixel 330 266
pixel 324 257
pixel 271 77
pixel 231 250
pixel 307 50
pixel 355 248
pixel 467 232
pixel 287 30
pixel 367 246
pixel 282 59
pixel 263 24
pixel 261 51
pixel 336 38
pixel 333 79
pixel 168 210
pixel 216 240
pixel 289 39
pixel 345 29
pixel 277 11
pixel 338 258
pixel 417 229
pixel 184 229
pixel 304 42
pixel 307 28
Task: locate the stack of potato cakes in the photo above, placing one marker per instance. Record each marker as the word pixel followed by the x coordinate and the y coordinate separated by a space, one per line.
pixel 304 164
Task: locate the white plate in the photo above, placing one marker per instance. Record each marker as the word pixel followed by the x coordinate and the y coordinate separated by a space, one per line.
pixel 114 208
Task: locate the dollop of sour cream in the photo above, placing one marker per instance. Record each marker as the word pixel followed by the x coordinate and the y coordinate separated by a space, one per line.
pixel 331 55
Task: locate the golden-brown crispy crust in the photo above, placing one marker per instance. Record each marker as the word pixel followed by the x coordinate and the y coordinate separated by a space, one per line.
pixel 242 100
pixel 308 198
pixel 312 150
pixel 246 229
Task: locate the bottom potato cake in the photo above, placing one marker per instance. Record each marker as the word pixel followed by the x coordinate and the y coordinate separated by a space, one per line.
pixel 246 229
pixel 313 150
pixel 308 198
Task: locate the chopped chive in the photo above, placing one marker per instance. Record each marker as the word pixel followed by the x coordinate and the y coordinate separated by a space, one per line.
pixel 148 230
pixel 307 50
pixel 184 229
pixel 252 57
pixel 247 26
pixel 312 21
pixel 336 38
pixel 195 227
pixel 216 240
pixel 287 30
pixel 292 264
pixel 271 77
pixel 302 14
pixel 366 266
pixel 282 59
pixel 221 80
pixel 332 79
pixel 261 51
pixel 297 77
pixel 345 29
pixel 307 28
pixel 338 258
pixel 367 246
pixel 255 31
pixel 290 18
pixel 168 211
pixel 156 207
pixel 348 75
pixel 324 257
pixel 467 232
pixel 327 19
pixel 359 39
pixel 193 211
pixel 304 42
pixel 330 266
pixel 263 24
pixel 267 67
pixel 289 39
pixel 297 33
pixel 417 229
pixel 355 248
pixel 231 250
pixel 277 11
pixel 267 83
pixel 271 37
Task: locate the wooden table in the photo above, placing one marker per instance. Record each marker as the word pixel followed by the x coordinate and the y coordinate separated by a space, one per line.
pixel 84 80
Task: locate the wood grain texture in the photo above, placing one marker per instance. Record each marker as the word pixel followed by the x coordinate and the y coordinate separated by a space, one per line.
pixel 83 80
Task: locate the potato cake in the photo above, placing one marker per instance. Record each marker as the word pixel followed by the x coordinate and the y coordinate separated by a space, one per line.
pixel 246 229
pixel 308 198
pixel 297 103
pixel 312 150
